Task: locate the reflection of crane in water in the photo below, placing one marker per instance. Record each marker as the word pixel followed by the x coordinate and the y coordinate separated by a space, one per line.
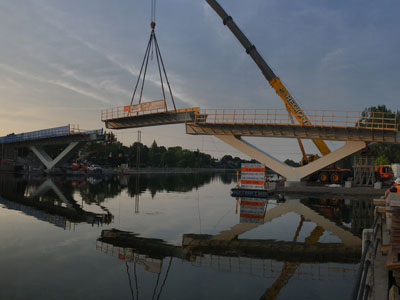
pixel 253 210
pixel 290 268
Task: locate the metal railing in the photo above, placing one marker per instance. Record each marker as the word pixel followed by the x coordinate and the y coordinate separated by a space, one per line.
pixel 75 129
pixel 47 133
pixel 121 112
pixel 364 278
pixel 34 135
pixel 331 118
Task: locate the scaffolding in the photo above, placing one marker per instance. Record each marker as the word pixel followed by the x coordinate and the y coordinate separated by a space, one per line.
pixel 364 170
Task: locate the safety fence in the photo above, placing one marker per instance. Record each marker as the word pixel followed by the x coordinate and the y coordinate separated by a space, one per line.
pixel 365 277
pixel 46 133
pixel 331 118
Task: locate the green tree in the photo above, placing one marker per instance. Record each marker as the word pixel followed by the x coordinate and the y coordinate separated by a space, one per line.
pixel 382 160
pixel 379 116
pixel 389 153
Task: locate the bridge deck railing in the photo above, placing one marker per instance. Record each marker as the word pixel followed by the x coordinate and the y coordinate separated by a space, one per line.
pixel 330 118
pixel 46 133
pixel 122 112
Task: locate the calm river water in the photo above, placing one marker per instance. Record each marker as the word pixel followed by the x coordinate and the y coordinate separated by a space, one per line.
pixel 173 237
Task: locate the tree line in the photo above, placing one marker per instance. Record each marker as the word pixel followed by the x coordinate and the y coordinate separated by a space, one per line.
pixel 139 155
pixel 384 153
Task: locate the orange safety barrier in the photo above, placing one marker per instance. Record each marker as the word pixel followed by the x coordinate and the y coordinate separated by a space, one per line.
pixel 260 170
pixel 251 203
pixel 251 216
pixel 252 182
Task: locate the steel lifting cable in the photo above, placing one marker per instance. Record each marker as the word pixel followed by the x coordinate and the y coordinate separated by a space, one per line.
pixel 165 278
pixel 153 10
pixel 130 280
pixel 165 72
pixel 151 46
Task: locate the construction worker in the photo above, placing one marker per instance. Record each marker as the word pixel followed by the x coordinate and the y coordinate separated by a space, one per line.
pixel 395 188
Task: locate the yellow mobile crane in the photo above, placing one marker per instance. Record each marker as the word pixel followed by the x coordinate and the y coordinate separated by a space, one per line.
pixel 291 105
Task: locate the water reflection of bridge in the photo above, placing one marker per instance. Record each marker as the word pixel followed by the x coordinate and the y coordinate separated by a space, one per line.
pixel 47 202
pixel 227 243
pixel 259 257
pixel 266 267
pixel 194 245
pixel 296 206
pixel 54 199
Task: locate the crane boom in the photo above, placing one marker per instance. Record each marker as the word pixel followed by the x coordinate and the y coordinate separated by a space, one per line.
pixel 274 81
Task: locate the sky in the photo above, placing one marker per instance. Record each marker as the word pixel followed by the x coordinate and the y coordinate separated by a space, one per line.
pixel 62 62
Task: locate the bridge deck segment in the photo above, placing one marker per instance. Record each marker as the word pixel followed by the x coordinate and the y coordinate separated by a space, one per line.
pixel 57 135
pixel 120 118
pixel 326 125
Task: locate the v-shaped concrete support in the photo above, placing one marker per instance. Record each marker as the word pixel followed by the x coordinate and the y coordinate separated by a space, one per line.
pixel 50 163
pixel 292 174
pixel 48 185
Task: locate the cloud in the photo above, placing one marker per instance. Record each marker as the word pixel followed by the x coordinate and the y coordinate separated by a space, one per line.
pixel 57 82
pixel 117 60
pixel 79 55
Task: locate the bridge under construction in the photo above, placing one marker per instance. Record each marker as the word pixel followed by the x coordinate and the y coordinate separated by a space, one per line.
pixel 356 129
pixel 73 137
pixel 230 125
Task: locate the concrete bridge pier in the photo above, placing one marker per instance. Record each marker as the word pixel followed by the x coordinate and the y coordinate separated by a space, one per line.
pixel 293 175
pixel 50 163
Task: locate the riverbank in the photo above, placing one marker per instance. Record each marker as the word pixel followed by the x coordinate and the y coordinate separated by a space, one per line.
pixel 130 171
pixel 120 171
